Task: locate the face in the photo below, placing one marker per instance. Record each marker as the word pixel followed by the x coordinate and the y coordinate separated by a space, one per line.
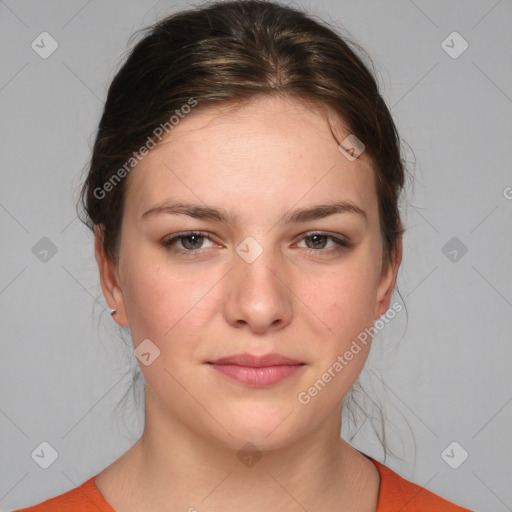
pixel 254 267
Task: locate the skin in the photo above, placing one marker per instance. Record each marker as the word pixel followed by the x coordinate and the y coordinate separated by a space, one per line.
pixel 259 161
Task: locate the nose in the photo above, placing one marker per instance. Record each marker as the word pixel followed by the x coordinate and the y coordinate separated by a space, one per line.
pixel 260 297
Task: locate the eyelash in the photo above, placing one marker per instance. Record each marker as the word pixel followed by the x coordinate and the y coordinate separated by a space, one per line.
pixel 342 244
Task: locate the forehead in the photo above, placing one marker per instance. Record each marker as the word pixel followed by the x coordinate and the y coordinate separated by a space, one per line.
pixel 268 146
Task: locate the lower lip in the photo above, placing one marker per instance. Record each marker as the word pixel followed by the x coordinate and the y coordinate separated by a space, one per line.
pixel 257 377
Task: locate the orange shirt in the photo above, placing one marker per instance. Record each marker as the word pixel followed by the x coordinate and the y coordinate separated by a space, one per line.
pixel 395 494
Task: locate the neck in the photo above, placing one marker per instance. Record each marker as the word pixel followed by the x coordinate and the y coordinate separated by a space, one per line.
pixel 171 464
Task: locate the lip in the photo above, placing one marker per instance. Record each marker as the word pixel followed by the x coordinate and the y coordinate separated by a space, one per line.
pixel 246 359
pixel 257 371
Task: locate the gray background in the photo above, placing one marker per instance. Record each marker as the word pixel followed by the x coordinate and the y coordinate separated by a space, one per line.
pixel 448 375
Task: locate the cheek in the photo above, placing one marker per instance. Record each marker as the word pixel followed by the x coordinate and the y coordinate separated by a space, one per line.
pixel 342 352
pixel 146 302
pixel 343 300
pixel 162 301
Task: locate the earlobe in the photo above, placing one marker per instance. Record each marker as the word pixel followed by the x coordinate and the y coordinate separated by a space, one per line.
pixel 109 278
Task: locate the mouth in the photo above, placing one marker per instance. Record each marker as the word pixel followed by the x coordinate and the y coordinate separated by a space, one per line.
pixel 257 371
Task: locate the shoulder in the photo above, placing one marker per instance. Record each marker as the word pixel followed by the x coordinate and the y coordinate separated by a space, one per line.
pixel 396 493
pixel 84 498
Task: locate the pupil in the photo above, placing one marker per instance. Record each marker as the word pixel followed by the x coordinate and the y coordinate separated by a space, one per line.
pixel 193 237
pixel 315 239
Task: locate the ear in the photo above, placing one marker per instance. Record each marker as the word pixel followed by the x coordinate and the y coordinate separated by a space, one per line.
pixel 387 280
pixel 109 278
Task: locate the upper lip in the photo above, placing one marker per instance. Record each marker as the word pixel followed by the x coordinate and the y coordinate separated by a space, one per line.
pixel 256 361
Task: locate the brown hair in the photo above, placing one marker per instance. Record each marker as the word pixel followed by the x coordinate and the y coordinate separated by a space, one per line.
pixel 230 52
pixel 227 53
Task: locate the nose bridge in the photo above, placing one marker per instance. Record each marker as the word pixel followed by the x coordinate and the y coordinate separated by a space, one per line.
pixel 259 294
pixel 259 266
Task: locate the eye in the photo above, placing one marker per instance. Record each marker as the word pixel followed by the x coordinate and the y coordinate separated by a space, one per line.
pixel 191 242
pixel 318 241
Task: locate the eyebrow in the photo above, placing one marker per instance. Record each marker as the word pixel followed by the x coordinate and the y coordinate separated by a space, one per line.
pixel 219 214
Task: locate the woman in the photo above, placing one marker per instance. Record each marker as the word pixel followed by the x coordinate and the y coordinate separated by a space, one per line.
pixel 243 193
